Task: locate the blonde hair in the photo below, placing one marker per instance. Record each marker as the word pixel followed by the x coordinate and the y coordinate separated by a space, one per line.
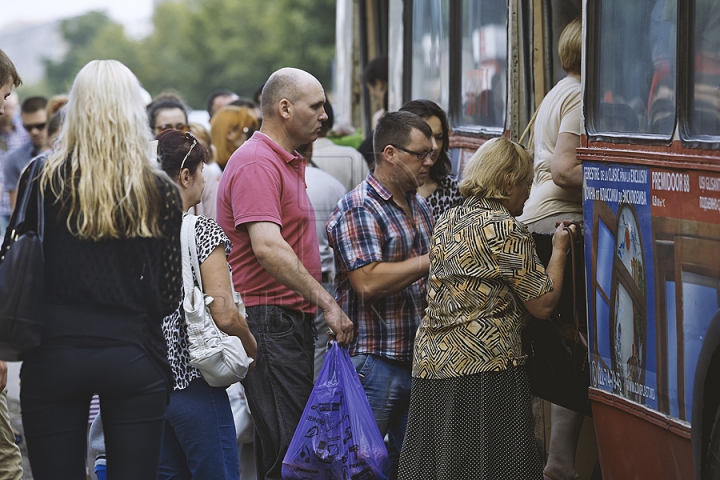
pixel 55 103
pixel 202 134
pixel 497 164
pixel 225 120
pixel 570 47
pixel 102 171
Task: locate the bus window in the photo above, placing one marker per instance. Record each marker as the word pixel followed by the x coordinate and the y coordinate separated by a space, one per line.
pixel 563 12
pixel 484 59
pixel 635 68
pixel 431 51
pixel 705 108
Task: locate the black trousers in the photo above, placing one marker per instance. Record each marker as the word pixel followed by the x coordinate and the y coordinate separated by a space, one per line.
pixel 58 381
pixel 279 387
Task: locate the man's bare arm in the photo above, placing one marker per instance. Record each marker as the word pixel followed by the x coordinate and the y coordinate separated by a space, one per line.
pixel 278 258
pixel 382 279
pixel 565 168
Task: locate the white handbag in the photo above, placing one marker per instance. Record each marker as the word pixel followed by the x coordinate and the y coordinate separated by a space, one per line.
pixel 220 357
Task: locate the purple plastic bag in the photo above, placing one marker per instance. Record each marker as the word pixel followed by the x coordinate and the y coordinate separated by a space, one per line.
pixel 337 437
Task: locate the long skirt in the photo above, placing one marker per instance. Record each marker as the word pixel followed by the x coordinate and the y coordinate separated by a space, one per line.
pixel 474 427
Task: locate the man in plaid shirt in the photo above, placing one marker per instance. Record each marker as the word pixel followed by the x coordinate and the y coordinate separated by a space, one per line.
pixel 380 233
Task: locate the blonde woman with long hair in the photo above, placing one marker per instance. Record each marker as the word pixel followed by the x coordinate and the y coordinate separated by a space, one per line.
pixel 112 272
pixel 230 127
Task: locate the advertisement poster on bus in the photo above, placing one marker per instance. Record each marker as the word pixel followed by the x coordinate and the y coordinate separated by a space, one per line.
pixel 653 278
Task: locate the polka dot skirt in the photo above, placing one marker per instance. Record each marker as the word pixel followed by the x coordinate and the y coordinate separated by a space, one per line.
pixel 474 427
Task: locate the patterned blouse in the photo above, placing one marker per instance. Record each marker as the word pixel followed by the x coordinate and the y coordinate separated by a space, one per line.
pixel 208 236
pixel 483 266
pixel 445 197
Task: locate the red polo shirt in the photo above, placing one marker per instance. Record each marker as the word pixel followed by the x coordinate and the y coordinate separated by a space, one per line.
pixel 264 183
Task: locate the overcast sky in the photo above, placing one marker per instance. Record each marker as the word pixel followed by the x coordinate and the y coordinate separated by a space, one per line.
pixel 127 12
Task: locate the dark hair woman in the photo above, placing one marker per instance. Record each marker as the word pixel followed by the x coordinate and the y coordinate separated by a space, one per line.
pixel 199 438
pixel 441 189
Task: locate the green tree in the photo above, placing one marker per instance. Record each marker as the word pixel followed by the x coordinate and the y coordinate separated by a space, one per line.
pixel 201 45
pixel 89 37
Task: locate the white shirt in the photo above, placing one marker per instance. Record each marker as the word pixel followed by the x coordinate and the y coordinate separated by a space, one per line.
pixel 344 163
pixel 325 192
pixel 558 113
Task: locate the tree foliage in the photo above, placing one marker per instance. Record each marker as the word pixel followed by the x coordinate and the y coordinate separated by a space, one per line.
pixel 89 37
pixel 200 45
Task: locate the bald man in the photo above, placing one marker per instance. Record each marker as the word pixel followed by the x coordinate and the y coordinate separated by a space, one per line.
pixel 264 209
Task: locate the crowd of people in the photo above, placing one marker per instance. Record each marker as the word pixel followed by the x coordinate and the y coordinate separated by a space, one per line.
pixel 428 281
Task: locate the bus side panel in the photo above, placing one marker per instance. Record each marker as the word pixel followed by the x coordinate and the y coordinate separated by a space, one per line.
pixel 652 239
pixel 637 443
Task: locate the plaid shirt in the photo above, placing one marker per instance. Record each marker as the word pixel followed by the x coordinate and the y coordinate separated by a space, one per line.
pixel 367 226
pixel 9 142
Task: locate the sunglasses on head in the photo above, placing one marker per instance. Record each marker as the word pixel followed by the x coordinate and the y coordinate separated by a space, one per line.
pixel 183 127
pixel 194 141
pixel 36 126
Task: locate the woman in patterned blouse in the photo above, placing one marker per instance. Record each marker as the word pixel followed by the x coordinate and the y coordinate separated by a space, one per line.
pixel 441 188
pixel 470 413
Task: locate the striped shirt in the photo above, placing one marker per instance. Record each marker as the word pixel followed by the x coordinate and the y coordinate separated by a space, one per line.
pixel 367 226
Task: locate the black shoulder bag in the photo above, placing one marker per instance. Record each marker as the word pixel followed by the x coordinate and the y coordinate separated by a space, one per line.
pixel 557 348
pixel 22 270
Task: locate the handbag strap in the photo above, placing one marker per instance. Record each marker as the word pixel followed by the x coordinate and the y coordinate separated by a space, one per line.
pixel 189 254
pixel 24 206
pixel 23 209
pixel 188 245
pixel 529 132
pixel 576 316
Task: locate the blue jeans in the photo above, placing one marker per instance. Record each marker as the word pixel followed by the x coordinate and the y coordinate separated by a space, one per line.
pixel 279 386
pixel 199 439
pixel 387 385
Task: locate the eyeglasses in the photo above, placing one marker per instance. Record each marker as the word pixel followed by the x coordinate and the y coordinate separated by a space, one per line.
pixel 36 126
pixel 183 127
pixel 195 142
pixel 420 155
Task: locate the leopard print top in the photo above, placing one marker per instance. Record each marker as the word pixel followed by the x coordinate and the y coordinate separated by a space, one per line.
pixel 445 197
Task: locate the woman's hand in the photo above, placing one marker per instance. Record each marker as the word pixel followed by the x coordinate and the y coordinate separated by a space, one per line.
pixel 561 238
pixel 542 307
pixel 249 344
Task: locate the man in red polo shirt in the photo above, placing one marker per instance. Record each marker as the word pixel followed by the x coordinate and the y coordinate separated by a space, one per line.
pixel 264 209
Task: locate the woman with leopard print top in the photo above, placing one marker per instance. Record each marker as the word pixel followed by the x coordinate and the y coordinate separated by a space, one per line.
pixel 199 439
